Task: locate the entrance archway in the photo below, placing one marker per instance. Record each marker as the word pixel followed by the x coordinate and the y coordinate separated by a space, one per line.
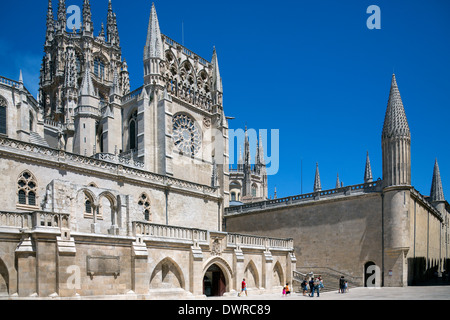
pixel 370 274
pixel 214 283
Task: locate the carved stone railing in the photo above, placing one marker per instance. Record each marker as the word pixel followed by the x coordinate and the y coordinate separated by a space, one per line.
pixel 256 242
pixel 33 220
pixel 314 196
pixel 155 232
pixel 9 82
pixel 151 231
pixel 120 159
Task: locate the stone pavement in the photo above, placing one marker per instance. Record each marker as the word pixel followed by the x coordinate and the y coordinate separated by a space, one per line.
pixel 406 293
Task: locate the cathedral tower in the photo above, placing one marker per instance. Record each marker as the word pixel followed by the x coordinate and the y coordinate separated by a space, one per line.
pixel 396 150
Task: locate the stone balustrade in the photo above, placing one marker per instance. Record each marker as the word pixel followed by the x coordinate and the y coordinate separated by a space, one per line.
pixel 155 232
pixel 251 241
pixel 33 220
pixel 326 194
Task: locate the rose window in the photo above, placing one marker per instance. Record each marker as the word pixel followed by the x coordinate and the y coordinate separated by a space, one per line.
pixel 186 135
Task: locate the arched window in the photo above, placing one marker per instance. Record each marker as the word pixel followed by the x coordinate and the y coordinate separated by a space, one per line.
pixel 31 119
pixel 144 202
pixel 254 190
pixel 88 205
pixel 233 196
pixel 27 188
pixel 99 68
pixel 3 106
pixel 132 132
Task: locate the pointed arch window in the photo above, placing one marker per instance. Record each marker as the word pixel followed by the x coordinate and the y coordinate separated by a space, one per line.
pixel 132 131
pixel 3 106
pixel 144 202
pixel 27 190
pixel 99 68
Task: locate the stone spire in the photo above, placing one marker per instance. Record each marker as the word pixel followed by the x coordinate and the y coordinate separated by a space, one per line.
pixel 50 24
pixel 112 32
pixel 437 193
pixel 247 156
pixel 88 26
pixel 87 87
pixel 240 160
pixel 396 142
pixel 62 19
pixel 338 183
pixel 368 172
pixel 317 184
pixel 154 45
pixel 395 122
pixel 260 162
pixel 217 80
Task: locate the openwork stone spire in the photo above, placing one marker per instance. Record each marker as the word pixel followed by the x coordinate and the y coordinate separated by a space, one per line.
pixel 50 23
pixel 112 31
pixel 368 172
pixel 437 193
pixel 395 122
pixel 62 19
pixel 317 184
pixel 154 45
pixel 87 17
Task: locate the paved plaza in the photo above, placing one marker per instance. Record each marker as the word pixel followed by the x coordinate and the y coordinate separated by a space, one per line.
pixel 406 293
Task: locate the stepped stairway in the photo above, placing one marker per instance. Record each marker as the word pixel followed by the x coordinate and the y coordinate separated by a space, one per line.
pixel 329 276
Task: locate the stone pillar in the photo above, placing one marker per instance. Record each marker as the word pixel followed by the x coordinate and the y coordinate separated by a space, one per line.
pixel 68 271
pixel 267 266
pixel 238 267
pixel 291 265
pixel 26 268
pixel 140 273
pixel 196 270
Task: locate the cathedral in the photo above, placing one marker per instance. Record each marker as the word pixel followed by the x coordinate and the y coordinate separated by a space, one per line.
pixel 113 191
pixel 128 193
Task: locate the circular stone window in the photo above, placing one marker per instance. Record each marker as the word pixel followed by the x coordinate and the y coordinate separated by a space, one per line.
pixel 186 135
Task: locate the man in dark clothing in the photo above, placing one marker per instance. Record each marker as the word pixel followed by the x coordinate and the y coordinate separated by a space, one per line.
pixel 311 286
pixel 342 284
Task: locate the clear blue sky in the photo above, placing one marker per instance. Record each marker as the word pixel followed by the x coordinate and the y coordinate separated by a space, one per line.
pixel 311 69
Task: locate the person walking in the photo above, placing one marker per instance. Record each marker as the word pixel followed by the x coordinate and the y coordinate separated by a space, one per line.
pixel 321 283
pixel 311 286
pixel 342 284
pixel 243 288
pixel 316 287
pixel 304 287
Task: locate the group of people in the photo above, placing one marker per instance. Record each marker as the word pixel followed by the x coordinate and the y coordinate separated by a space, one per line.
pixel 314 285
pixel 343 285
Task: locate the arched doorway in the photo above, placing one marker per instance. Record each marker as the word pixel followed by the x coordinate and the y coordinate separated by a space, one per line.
pixel 371 274
pixel 4 279
pixel 214 283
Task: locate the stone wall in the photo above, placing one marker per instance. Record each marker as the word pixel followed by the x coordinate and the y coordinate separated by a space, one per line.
pixel 341 233
pixel 46 260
